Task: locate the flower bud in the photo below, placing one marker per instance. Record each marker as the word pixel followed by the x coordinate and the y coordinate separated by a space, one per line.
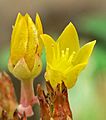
pixel 25 61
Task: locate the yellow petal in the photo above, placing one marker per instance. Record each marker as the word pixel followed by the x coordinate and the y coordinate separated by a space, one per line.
pixel 39 31
pixel 32 43
pixel 19 16
pixel 84 53
pixel 19 39
pixel 10 65
pixel 53 76
pixel 50 47
pixel 69 39
pixel 21 70
pixel 39 24
pixel 72 74
pixel 37 67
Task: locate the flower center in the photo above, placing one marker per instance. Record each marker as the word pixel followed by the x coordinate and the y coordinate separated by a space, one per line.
pixel 62 58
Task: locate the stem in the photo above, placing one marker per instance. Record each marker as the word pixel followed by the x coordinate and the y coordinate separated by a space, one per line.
pixel 27 98
pixel 27 92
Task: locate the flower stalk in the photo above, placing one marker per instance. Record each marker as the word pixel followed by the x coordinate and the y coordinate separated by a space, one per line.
pixel 27 92
pixel 27 97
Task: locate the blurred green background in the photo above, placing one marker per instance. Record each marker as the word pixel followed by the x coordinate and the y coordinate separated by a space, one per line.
pixel 88 97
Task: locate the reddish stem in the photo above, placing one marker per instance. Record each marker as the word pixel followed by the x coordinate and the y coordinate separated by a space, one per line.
pixel 27 97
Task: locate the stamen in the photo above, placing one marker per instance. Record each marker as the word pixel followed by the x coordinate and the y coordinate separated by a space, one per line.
pixel 67 52
pixel 58 52
pixel 53 49
pixel 62 53
pixel 71 57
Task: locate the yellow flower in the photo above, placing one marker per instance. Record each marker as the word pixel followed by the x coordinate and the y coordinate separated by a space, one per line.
pixel 26 47
pixel 25 60
pixel 65 58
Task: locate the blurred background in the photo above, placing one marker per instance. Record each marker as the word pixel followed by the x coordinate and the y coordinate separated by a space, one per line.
pixel 88 97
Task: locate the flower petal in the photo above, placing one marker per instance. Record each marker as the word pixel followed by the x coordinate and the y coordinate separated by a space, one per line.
pixel 21 70
pixel 37 67
pixel 50 47
pixel 72 74
pixel 53 76
pixel 19 39
pixel 39 31
pixel 19 16
pixel 32 43
pixel 84 53
pixel 69 39
pixel 39 24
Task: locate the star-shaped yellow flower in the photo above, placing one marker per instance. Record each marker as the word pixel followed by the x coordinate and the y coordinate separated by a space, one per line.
pixel 65 58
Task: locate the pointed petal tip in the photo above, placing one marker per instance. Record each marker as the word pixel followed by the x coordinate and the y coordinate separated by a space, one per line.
pixel 29 20
pixel 18 18
pixel 71 25
pixel 47 39
pixel 37 15
pixel 39 24
pixel 19 14
pixel 12 26
pixel 84 53
pixel 27 16
pixel 69 35
pixel 38 18
pixel 92 44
